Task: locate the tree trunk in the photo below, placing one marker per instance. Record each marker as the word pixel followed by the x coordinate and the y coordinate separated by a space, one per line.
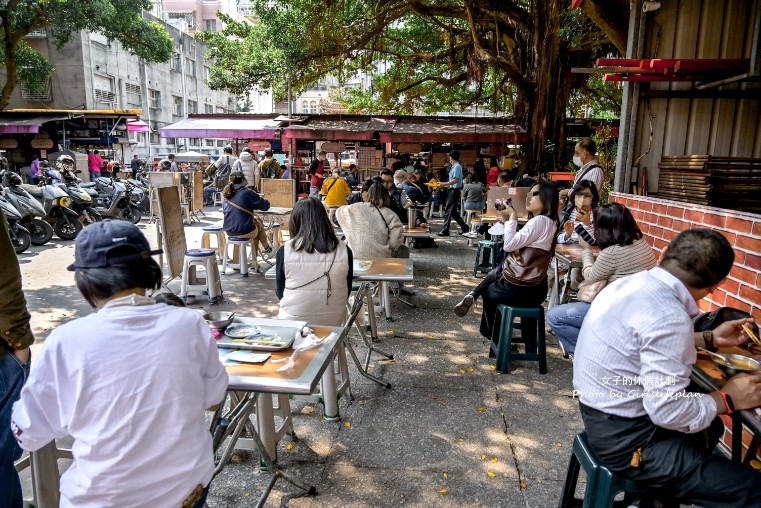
pixel 612 17
pixel 11 69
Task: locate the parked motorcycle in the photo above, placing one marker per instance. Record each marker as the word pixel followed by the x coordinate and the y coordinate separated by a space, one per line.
pixel 56 201
pixel 112 198
pixel 20 236
pixel 81 201
pixel 29 208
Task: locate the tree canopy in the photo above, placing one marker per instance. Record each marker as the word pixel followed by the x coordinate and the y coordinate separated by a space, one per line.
pixel 120 20
pixel 508 56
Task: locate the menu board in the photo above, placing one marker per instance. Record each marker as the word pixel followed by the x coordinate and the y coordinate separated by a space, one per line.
pixel 279 192
pixel 197 190
pixel 172 229
pixel 368 157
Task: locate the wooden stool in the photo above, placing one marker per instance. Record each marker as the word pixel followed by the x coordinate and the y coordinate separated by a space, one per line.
pixel 602 484
pixel 194 285
pixel 242 265
pixel 218 233
pixel 536 351
pixel 478 266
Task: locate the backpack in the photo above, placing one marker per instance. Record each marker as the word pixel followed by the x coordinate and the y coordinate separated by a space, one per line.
pixel 270 170
pixel 222 176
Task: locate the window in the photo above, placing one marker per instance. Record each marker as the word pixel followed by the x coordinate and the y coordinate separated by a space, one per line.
pixel 190 67
pixel 39 94
pixel 313 107
pixel 208 142
pixel 155 134
pixel 140 138
pixel 104 89
pixel 192 107
pixel 305 107
pixel 206 73
pixel 211 25
pixel 176 105
pixel 134 94
pixel 194 141
pixel 154 99
pixel 40 32
pixel 175 64
pixel 220 142
pixel 188 17
pixel 208 109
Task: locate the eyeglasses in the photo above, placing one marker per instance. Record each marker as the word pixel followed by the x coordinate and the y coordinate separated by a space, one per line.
pixel 535 193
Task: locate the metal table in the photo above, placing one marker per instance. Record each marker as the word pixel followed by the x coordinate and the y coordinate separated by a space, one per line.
pixel 275 215
pixel 569 253
pixel 707 376
pixel 410 233
pixel 384 270
pixel 259 382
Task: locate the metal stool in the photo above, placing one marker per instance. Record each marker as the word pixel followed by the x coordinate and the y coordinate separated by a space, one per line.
pixel 192 284
pixel 602 484
pixel 242 265
pixel 536 350
pixel 218 198
pixel 478 265
pixel 219 234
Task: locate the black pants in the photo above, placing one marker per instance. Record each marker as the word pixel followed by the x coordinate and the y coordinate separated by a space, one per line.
pixel 676 466
pixel 450 211
pixel 502 291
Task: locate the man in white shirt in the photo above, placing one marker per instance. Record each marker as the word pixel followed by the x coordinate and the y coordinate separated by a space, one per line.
pixel 632 370
pixel 589 169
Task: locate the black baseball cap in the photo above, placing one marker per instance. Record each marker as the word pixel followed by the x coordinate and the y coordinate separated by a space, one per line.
pixel 97 241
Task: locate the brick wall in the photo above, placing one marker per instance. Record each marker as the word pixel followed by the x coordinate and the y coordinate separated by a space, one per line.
pixel 661 220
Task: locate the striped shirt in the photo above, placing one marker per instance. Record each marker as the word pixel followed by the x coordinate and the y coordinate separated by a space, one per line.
pixel 636 350
pixel 618 261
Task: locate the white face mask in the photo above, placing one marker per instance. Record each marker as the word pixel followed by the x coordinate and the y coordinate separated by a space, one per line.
pixel 577 160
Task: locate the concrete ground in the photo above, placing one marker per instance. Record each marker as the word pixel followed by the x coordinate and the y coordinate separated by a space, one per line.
pixel 451 432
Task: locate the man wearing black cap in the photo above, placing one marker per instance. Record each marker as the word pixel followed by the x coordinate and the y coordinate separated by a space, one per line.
pixel 317 170
pixel 112 378
pixel 453 196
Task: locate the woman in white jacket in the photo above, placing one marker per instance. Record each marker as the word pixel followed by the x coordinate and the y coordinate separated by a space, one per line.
pixel 248 165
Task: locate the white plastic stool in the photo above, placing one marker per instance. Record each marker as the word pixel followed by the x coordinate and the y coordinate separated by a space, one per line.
pixel 334 384
pixel 469 215
pixel 242 265
pixel 276 235
pixel 185 213
pixel 475 223
pixel 218 232
pixel 194 285
pixel 217 198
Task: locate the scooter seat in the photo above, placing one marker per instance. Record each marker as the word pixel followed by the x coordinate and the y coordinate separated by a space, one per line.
pixel 35 191
pixel 87 185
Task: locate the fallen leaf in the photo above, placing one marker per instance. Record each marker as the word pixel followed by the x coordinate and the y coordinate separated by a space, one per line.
pixel 248 494
pixel 348 424
pixel 443 491
pixel 483 457
pixel 462 371
pixel 290 446
pixel 445 403
pixel 494 459
pixel 494 367
pixel 491 474
pixel 308 410
pixel 435 397
pixel 558 444
pixel 472 369
pixel 482 408
pixel 446 475
pixel 430 336
pixel 460 440
pixel 523 485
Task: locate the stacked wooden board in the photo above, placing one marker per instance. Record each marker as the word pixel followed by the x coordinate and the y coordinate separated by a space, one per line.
pixel 724 182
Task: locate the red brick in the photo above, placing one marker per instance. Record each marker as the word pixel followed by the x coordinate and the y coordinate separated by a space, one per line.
pixel 669 235
pixel 645 206
pixel 659 208
pixel 731 237
pixel 656 232
pixel 704 305
pixel 649 239
pixel 731 286
pixel 660 244
pixel 748 243
pixel 749 260
pixel 718 298
pixel 737 304
pixel 743 274
pixel 651 218
pixel 666 222
pixel 740 257
pixel 739 225
pixel 680 225
pixel 694 216
pixel 675 212
pixel 644 227
pixel 638 216
pixel 712 219
pixel 757 228
pixel 756 313
pixel 750 293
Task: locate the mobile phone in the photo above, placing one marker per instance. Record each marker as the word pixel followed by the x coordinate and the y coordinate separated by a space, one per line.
pixel 499 205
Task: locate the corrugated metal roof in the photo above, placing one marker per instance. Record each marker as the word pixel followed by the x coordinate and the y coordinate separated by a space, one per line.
pixel 453 130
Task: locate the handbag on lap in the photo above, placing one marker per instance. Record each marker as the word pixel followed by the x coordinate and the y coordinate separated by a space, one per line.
pixel 588 291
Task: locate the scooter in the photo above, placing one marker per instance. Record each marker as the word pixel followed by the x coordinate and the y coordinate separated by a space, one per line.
pixel 81 201
pixel 112 199
pixel 28 207
pixel 56 201
pixel 20 236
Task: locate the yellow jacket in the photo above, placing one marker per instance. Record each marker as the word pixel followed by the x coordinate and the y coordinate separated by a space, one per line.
pixel 335 191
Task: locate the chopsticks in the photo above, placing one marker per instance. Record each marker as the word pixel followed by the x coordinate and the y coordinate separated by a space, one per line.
pixel 752 335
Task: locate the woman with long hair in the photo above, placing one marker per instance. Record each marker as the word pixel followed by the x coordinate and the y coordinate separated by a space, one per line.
pixel 493 173
pixel 624 252
pixel 238 209
pixel 110 379
pixel 500 285
pixel 313 269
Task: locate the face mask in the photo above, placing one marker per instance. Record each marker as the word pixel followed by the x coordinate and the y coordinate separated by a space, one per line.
pixel 577 160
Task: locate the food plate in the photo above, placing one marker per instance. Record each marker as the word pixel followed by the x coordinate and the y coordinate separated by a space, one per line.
pixel 248 357
pixel 362 266
pixel 258 339
pixel 242 331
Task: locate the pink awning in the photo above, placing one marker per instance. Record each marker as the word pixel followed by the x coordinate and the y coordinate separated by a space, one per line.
pixel 134 125
pixel 241 126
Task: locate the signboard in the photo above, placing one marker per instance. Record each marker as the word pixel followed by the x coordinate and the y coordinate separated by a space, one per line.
pixel 8 143
pixel 259 146
pixel 409 148
pixel 41 143
pixel 197 203
pixel 172 229
pixel 279 192
pixel 438 159
pixel 332 147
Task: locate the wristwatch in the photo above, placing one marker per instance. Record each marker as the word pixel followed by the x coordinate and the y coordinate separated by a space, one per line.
pixel 727 401
pixel 708 339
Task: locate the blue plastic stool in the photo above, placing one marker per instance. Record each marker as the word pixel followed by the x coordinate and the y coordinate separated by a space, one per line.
pixel 602 484
pixel 537 351
pixel 492 246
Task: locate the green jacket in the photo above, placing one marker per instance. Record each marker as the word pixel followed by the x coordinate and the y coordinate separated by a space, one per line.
pixel 14 318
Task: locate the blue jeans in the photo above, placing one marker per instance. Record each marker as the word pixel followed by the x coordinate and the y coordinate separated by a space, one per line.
pixel 208 194
pixel 474 205
pixel 565 321
pixel 13 375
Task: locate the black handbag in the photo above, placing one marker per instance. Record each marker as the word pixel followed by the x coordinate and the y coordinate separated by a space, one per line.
pixel 710 320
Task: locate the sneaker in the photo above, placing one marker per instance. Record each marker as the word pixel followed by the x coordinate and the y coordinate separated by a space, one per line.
pixel 442 233
pixel 471 234
pixel 462 308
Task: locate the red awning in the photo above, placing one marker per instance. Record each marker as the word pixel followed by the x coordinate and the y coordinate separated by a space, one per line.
pixel 343 128
pixel 453 130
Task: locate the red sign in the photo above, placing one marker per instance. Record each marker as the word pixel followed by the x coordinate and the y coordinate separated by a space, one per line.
pixel 259 146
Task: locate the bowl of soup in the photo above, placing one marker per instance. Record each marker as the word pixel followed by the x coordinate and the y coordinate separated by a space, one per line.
pixel 739 364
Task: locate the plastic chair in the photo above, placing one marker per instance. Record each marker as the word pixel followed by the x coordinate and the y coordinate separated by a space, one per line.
pixel 602 484
pixel 217 199
pixel 537 351
pixel 242 265
pixel 478 265
pixel 217 232
pixel 192 284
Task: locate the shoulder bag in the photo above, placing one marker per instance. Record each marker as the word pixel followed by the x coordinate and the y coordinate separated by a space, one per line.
pixel 588 291
pixel 527 266
pixel 395 251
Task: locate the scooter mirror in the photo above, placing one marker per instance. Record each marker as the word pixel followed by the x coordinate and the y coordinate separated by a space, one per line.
pixel 77 171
